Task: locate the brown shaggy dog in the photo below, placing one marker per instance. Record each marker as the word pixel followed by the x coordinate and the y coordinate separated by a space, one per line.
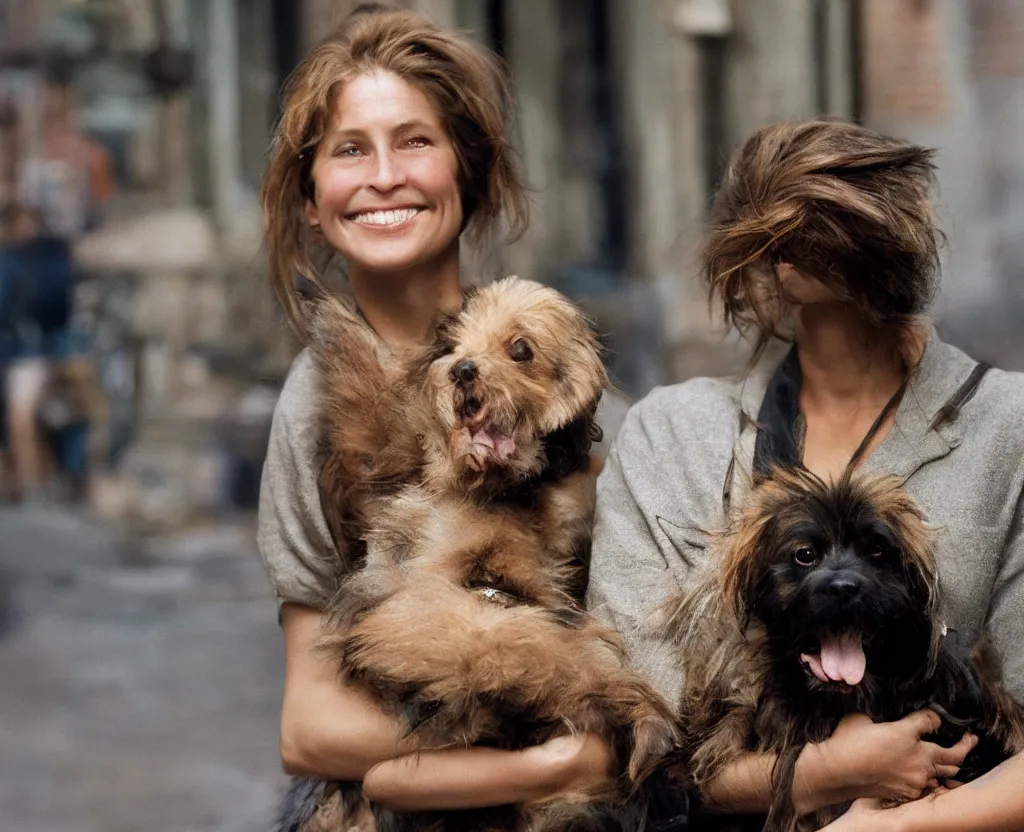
pixel 819 602
pixel 459 489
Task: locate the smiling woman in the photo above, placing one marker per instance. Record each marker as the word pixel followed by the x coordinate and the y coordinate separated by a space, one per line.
pixel 391 148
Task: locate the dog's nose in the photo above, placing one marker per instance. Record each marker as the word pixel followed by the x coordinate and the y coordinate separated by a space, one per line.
pixel 464 372
pixel 844 585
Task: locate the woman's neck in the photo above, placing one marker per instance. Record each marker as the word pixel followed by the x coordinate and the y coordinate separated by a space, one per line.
pixel 845 362
pixel 402 307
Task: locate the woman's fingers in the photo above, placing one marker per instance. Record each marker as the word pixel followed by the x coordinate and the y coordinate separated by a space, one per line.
pixel 954 755
pixel 923 722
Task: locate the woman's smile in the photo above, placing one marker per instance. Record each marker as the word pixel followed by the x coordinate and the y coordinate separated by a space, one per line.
pixel 389 219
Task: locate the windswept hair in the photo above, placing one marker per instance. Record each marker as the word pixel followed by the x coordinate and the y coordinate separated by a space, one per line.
pixel 465 83
pixel 838 201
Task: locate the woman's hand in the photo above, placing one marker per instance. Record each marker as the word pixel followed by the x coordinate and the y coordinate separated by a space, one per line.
pixel 474 777
pixel 580 763
pixel 871 815
pixel 865 815
pixel 886 760
pixel 891 761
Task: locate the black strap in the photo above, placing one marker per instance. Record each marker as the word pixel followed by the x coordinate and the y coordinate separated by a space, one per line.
pixel 887 411
pixel 951 409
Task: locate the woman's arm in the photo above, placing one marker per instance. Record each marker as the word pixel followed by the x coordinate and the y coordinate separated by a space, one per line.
pixel 471 777
pixel 336 731
pixel 328 729
pixel 861 759
pixel 993 803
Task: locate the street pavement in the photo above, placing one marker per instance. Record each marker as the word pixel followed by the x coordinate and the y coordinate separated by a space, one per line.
pixel 139 687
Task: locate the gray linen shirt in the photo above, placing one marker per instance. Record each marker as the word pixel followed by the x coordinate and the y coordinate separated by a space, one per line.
pixel 667 476
pixel 292 533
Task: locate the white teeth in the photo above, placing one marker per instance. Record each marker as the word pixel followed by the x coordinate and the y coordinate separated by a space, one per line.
pixel 386 217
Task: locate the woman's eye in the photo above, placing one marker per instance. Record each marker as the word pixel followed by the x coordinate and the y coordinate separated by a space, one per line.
pixel 349 151
pixel 520 350
pixel 417 142
pixel 805 556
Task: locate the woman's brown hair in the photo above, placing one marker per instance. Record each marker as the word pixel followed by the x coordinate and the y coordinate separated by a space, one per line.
pixel 464 82
pixel 839 202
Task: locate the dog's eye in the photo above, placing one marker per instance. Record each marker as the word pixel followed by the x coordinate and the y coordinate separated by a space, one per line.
pixel 876 546
pixel 520 350
pixel 805 556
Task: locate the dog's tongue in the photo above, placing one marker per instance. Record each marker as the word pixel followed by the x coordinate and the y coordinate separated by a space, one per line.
pixel 841 660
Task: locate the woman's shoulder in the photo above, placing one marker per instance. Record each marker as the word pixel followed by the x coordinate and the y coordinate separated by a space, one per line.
pixel 297 401
pixel 996 408
pixel 966 399
pixel 679 438
pixel 1001 392
pixel 696 409
pixel 292 532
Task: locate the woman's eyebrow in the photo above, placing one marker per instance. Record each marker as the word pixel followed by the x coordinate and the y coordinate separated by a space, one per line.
pixel 344 132
pixel 401 127
pixel 415 124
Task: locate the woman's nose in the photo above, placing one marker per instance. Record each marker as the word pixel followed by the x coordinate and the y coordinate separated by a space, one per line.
pixel 389 172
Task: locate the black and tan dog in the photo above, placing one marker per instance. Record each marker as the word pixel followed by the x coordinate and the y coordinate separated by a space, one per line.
pixel 823 601
pixel 459 488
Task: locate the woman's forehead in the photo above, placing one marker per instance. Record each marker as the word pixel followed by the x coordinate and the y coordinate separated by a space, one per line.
pixel 381 99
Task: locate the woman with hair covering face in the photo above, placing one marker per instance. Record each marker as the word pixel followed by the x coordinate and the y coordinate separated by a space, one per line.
pixel 391 147
pixel 822 249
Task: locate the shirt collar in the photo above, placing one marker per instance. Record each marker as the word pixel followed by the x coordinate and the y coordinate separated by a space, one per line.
pixel 911 442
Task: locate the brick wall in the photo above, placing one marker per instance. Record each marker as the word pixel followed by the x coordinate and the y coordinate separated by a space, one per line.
pixel 905 75
pixel 997 38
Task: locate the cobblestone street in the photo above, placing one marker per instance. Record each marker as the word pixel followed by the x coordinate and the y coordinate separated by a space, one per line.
pixel 140 689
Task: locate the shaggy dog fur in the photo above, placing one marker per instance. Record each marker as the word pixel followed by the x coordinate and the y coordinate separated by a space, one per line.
pixel 821 601
pixel 459 490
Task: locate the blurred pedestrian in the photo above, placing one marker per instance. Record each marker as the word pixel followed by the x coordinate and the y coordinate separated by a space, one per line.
pixel 62 187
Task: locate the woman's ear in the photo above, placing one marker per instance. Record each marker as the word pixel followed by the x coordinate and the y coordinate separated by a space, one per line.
pixel 311 213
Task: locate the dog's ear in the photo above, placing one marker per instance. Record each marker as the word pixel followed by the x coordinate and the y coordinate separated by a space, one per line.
pixel 579 373
pixel 743 547
pixel 567 449
pixel 901 513
pixel 740 566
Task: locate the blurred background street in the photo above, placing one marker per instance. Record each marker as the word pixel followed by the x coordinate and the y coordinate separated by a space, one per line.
pixel 140 686
pixel 141 355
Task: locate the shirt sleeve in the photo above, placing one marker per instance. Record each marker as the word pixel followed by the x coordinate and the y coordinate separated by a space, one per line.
pixel 1005 625
pixel 292 534
pixel 629 574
